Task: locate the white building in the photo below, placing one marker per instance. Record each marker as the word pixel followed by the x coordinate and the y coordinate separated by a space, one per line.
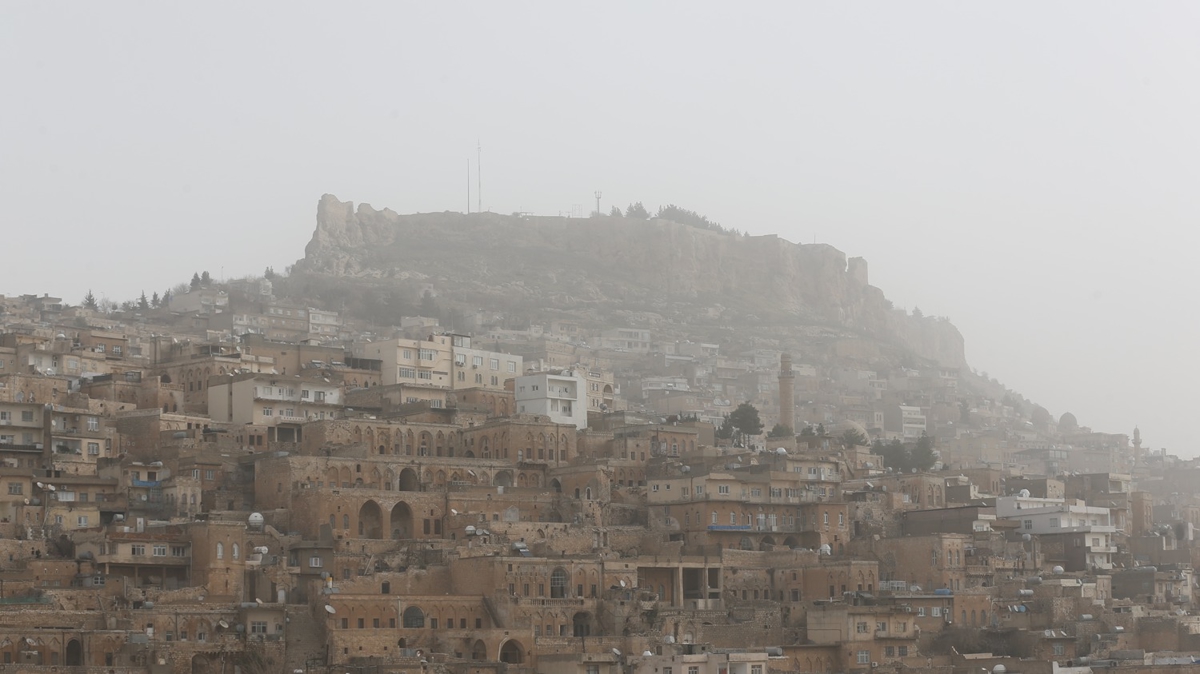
pixel 282 404
pixel 1053 515
pixel 560 396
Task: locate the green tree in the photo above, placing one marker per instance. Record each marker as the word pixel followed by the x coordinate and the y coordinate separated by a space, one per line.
pixel 745 420
pixel 780 431
pixel 195 280
pixel 808 432
pixel 143 302
pixel 637 210
pixel 725 430
pixel 205 280
pixel 154 300
pixel 616 212
pixel 922 456
pixel 821 430
pixel 89 301
pixel 852 438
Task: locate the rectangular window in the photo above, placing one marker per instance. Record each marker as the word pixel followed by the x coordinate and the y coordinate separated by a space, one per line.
pixel 494 363
pixel 137 550
pixel 407 373
pixel 861 628
pixel 210 474
pixel 314 562
pixel 267 411
pixel 26 415
pixel 864 657
pixel 477 361
pixel 936 612
pixel 16 488
pixel 93 449
pixel 903 651
pixel 159 551
pixel 93 424
pixel 82 521
pixel 178 551
pixel 423 374
pixel 258 627
pixel 512 366
pixel 723 489
pixel 428 354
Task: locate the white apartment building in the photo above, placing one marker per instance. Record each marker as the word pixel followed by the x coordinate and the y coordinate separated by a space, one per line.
pixel 560 396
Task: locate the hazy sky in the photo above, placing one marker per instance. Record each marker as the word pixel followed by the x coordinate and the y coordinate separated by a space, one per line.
pixel 1028 169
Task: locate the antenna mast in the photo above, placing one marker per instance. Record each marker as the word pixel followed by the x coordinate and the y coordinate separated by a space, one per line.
pixel 468 186
pixel 479 175
pixel 598 194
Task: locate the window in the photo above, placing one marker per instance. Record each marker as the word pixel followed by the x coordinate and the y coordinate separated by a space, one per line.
pixel 1053 522
pixel 864 657
pixel 26 415
pixel 881 627
pixel 1059 649
pixel 722 489
pixel 314 562
pixel 137 550
pixel 921 611
pixel 210 474
pixel 82 521
pixel 424 374
pixel 1028 524
pixel 93 449
pixel 178 551
pixel 407 373
pixel 267 412
pixel 903 651
pixel 756 669
pixel 258 627
pixel 512 366
pixel 861 628
pixel 160 551
pixel 477 361
pixel 936 611
pixel 699 489
pixel 694 670
pixel 16 488
pixel 494 363
pixel 428 354
pixel 93 424
pixel 220 551
pixel 889 651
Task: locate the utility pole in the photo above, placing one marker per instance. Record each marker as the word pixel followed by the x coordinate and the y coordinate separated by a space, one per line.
pixel 468 186
pixel 598 194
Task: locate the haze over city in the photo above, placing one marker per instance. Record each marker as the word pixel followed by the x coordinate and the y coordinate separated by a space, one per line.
pixel 1027 170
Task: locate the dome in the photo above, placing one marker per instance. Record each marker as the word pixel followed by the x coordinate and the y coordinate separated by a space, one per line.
pixel 1067 423
pixel 255 520
pixel 839 429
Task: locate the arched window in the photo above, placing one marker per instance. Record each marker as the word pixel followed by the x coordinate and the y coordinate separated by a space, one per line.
pixel 236 551
pixel 414 617
pixel 345 521
pixel 220 551
pixel 558 584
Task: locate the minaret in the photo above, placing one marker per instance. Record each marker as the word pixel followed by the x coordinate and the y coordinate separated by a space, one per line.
pixel 1137 443
pixel 787 393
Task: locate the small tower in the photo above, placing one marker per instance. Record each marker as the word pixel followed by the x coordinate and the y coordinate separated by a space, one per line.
pixel 787 393
pixel 1137 443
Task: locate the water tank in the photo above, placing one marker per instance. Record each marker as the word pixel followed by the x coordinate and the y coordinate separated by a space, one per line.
pixel 255 520
pixel 1024 493
pixel 825 549
pixel 1086 616
pixel 1058 570
pixel 1033 580
pixel 943 591
pixel 1118 628
pixel 1026 537
pixel 999 669
pixel 1024 593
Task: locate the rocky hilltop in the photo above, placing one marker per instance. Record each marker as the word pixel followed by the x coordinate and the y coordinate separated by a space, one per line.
pixel 610 263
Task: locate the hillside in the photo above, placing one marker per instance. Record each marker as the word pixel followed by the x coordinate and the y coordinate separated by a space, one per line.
pixel 611 265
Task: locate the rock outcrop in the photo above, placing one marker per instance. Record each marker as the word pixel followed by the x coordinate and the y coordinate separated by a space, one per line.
pixel 621 262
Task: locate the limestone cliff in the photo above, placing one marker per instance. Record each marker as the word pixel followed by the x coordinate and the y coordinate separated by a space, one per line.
pixel 617 262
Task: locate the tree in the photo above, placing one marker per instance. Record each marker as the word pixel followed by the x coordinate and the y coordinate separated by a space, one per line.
pixel 853 438
pixel 808 432
pixel 195 280
pixel 616 212
pixel 269 274
pixel 166 298
pixel 154 300
pixel 637 210
pixel 725 430
pixel 745 420
pixel 89 301
pixel 821 430
pixel 917 313
pixel 780 431
pixel 205 280
pixel 922 456
pixel 685 217
pixel 143 303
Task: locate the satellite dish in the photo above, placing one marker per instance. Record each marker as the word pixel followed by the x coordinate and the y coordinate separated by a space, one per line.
pixel 223 624
pixel 622 583
pixel 51 487
pixel 40 485
pixel 258 601
pixel 646 654
pixel 616 652
pixel 471 473
pixel 670 639
pixel 330 610
pixel 26 501
pixel 453 511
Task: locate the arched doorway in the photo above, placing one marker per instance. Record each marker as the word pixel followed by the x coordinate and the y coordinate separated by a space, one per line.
pixel 581 624
pixel 370 520
pixel 409 480
pixel 479 650
pixel 556 486
pixel 503 478
pixel 74 653
pixel 512 652
pixel 767 543
pixel 402 521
